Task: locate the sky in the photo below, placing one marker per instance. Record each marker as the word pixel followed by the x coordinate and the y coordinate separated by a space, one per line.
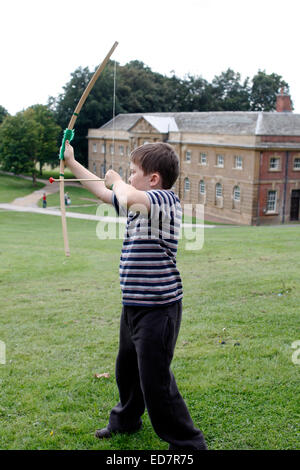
pixel 44 41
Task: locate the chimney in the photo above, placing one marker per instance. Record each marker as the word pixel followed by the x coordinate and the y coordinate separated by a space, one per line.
pixel 283 102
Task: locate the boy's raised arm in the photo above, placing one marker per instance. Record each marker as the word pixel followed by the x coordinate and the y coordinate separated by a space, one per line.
pixel 127 195
pixel 95 187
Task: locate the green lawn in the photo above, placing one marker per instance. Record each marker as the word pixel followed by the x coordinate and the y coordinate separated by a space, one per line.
pixel 12 187
pixel 81 200
pixel 59 319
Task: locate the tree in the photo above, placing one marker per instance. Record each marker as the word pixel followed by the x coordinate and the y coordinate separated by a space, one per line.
pixel 47 148
pixel 3 114
pixel 18 142
pixel 28 138
pixel 264 90
pixel 228 93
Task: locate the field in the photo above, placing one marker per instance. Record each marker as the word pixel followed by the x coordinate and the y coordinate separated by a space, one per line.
pixel 59 320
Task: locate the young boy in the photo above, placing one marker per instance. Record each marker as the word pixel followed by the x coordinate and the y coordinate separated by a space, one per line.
pixel 151 295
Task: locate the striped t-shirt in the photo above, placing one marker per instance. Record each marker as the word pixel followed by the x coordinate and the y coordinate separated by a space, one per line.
pixel 148 272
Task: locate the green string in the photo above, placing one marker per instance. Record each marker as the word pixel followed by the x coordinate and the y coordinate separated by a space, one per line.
pixel 68 135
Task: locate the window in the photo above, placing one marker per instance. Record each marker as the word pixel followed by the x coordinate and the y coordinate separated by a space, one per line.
pixel 236 193
pixel 271 201
pixel 121 149
pixel 219 192
pixel 112 149
pixel 297 164
pixel 220 160
pixel 203 159
pixel 187 185
pixel 94 167
pixel 94 148
pixel 102 171
pixel 103 148
pixel 238 162
pixel 202 187
pixel 188 156
pixel 121 172
pixel 275 163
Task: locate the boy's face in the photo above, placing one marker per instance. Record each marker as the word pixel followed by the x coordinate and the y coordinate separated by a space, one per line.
pixel 140 181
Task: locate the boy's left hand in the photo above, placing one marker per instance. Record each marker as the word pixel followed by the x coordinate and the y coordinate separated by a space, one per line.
pixel 111 177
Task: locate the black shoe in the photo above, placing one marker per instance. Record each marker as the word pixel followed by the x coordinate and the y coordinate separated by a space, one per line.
pixel 104 433
pixel 202 446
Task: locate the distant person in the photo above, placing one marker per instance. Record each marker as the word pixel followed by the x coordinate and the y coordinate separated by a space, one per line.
pixel 67 199
pixel 44 201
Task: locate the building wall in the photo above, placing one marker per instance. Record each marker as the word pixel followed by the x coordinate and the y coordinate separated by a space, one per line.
pixel 255 179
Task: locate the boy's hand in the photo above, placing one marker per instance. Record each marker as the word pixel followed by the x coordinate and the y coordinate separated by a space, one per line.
pixel 111 177
pixel 69 153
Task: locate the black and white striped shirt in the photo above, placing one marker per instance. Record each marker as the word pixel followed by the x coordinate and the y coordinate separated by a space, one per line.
pixel 148 272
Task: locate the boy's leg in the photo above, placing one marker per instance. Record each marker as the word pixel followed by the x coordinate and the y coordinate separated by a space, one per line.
pixel 126 415
pixel 155 339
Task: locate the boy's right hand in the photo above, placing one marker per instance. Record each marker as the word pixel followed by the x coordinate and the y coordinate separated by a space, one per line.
pixel 69 153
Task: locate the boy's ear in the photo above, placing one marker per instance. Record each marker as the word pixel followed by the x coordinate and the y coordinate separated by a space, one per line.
pixel 155 179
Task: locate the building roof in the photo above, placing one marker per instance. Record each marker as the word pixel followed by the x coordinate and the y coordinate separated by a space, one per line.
pixel 230 122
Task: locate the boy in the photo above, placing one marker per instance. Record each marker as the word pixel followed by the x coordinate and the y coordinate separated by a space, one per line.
pixel 151 295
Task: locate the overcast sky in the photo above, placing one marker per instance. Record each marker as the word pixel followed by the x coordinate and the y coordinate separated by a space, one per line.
pixel 42 42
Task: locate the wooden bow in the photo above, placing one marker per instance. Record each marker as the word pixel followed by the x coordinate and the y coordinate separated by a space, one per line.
pixel 70 128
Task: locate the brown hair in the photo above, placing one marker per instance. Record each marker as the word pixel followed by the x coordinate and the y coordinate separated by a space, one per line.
pixel 159 157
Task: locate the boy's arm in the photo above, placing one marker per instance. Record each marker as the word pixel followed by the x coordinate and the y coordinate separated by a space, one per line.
pixel 95 187
pixel 127 195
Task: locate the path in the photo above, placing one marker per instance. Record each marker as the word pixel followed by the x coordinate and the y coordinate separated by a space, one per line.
pixel 29 204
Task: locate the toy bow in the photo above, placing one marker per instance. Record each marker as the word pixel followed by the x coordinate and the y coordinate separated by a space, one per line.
pixel 68 135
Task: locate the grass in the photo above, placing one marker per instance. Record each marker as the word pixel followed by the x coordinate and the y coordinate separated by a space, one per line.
pixel 81 200
pixel 12 187
pixel 60 317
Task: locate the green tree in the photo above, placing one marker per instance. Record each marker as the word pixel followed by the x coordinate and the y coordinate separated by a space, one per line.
pixel 228 93
pixel 264 90
pixel 19 136
pixel 47 148
pixel 3 113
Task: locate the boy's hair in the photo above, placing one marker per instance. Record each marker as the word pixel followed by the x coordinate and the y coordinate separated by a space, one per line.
pixel 159 157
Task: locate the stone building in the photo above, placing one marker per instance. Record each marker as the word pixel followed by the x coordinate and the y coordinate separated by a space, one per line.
pixel 243 166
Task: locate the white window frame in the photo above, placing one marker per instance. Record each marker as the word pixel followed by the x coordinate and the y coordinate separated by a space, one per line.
pixel 272 161
pixel 112 149
pixel 188 156
pixel 203 158
pixel 219 190
pixel 238 162
pixel 220 157
pixel 237 191
pixel 94 148
pixel 121 150
pixel 296 163
pixel 202 188
pixel 103 148
pixel 187 185
pixel 94 168
pixel 272 203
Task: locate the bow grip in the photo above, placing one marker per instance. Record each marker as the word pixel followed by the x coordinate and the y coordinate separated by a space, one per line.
pixel 68 135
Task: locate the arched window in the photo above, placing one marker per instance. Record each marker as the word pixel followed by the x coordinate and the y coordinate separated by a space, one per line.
pixel 236 193
pixel 219 192
pixel 187 185
pixel 202 187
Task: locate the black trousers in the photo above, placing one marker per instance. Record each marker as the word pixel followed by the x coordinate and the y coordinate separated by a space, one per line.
pixel 147 342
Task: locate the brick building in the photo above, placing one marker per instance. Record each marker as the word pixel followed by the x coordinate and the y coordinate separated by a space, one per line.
pixel 243 166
